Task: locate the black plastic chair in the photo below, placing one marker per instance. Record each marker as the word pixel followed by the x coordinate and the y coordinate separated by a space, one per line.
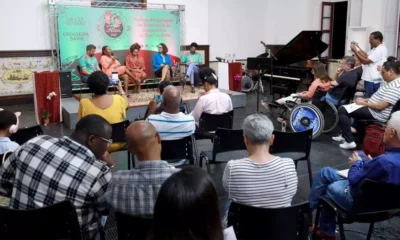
pixel 132 228
pixel 290 223
pixel 4 156
pixel 25 134
pixel 118 136
pixel 208 124
pixel 294 142
pixel 225 140
pixel 373 202
pixel 58 221
pixel 180 153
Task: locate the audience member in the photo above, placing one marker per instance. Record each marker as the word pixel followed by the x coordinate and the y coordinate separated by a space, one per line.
pixel 214 101
pixel 110 107
pixel 109 64
pixel 171 124
pixel 375 57
pixel 48 170
pixel 384 168
pixel 135 64
pixel 134 192
pixel 187 208
pixel 8 125
pixel 260 180
pixel 345 82
pixel 162 63
pixel 88 64
pixel 192 59
pixel 378 107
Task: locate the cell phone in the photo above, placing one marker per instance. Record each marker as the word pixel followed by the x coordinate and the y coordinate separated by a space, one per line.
pixel 362 155
pixel 158 98
pixel 114 75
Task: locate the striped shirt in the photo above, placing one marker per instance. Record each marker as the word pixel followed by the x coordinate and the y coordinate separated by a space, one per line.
pixel 388 92
pixel 173 126
pixel 267 185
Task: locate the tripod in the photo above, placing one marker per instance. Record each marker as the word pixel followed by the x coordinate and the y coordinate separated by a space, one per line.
pixel 259 64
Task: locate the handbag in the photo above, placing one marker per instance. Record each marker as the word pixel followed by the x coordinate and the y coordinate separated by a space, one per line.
pixel 373 141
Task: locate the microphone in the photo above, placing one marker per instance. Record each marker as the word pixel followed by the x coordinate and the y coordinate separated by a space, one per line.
pixel 263 43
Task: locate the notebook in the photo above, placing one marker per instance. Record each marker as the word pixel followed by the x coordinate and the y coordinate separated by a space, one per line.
pixel 343 173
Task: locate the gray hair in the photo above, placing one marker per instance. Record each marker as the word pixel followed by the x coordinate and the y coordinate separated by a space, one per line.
pixel 258 128
pixel 394 122
pixel 350 61
pixel 168 100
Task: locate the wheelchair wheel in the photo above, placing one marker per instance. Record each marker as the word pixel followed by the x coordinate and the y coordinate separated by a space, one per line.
pixel 305 116
pixel 331 116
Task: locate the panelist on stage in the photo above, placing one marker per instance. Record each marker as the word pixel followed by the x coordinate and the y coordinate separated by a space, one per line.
pixel 110 64
pixel 193 60
pixel 162 63
pixel 88 63
pixel 135 64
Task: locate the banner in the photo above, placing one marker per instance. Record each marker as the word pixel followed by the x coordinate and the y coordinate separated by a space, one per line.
pixel 118 29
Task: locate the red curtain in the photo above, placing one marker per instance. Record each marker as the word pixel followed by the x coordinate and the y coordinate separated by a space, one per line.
pixel 45 83
pixel 234 69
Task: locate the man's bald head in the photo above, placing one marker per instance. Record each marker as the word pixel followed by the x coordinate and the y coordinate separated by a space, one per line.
pixel 171 99
pixel 143 140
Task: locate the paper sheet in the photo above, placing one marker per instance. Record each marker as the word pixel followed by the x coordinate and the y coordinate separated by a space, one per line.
pixel 229 234
pixel 343 173
pixel 352 107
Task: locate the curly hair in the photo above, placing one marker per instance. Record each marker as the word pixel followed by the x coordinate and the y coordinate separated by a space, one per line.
pixel 134 47
pixel 98 82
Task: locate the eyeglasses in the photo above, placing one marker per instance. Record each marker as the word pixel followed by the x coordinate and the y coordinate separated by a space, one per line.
pixel 109 141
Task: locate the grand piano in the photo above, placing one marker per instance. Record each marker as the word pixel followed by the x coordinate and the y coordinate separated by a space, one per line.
pixel 291 65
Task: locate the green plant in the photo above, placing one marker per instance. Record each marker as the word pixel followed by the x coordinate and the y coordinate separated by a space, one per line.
pixel 46 114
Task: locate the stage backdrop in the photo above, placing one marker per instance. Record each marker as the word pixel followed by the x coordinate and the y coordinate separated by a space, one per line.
pixel 117 28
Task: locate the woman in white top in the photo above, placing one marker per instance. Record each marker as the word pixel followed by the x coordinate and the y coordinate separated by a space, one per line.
pixel 261 180
pixel 214 101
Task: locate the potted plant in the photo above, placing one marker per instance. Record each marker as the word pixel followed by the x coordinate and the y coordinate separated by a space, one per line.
pixel 46 116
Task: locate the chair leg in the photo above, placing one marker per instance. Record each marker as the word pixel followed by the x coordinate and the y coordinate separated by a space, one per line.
pixel 341 229
pixel 208 166
pixel 309 171
pixel 370 230
pixel 316 222
pixel 129 160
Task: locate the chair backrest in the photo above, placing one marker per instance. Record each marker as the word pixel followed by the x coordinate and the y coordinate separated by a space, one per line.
pixel 58 221
pixel 378 199
pixel 179 149
pixel 118 131
pixel 288 223
pixel 292 142
pixel 317 96
pixel 227 140
pixel 210 122
pixel 4 156
pixel 130 227
pixel 25 134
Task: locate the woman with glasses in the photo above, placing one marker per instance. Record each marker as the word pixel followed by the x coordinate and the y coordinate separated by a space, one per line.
pixel 110 107
pixel 135 64
pixel 162 63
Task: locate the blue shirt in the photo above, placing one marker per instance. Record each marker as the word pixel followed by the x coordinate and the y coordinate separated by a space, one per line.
pixel 385 168
pixel 7 145
pixel 158 60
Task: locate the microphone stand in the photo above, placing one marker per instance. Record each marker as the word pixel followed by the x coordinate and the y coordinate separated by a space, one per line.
pixel 271 55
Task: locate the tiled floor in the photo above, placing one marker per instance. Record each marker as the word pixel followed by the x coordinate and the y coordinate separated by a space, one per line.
pixel 324 153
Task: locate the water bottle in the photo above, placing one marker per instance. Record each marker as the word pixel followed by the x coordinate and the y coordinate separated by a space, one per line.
pixel 226 58
pixel 229 58
pixel 233 58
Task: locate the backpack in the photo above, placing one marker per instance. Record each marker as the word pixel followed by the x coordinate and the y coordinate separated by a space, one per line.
pixel 373 140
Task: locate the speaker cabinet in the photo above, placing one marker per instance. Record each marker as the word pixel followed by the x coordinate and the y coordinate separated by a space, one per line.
pixel 65 84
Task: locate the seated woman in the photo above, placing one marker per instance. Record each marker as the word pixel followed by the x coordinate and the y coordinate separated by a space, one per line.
pixel 110 107
pixel 135 64
pixel 162 63
pixel 187 208
pixel 378 107
pixel 110 64
pixel 213 101
pixel 321 82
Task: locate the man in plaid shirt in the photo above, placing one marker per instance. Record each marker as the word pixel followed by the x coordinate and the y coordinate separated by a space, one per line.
pixel 47 170
pixel 135 191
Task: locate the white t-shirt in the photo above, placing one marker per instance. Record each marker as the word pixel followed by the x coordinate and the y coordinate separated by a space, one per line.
pixel 378 56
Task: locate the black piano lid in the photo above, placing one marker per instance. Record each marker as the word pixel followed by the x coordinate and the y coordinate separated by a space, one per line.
pixel 305 46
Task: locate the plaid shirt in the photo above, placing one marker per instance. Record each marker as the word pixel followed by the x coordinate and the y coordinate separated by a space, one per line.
pixel 135 191
pixel 47 170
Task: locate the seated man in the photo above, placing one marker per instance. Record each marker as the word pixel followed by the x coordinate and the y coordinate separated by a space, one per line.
pixel 347 79
pixel 192 59
pixel 135 191
pixel 88 63
pixel 260 180
pixel 48 170
pixel 384 168
pixel 171 124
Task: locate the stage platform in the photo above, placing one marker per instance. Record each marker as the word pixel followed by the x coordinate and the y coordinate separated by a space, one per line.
pixel 70 106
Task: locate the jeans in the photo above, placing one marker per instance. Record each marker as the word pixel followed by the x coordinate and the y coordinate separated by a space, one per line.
pixel 345 120
pixel 328 183
pixel 103 224
pixel 192 68
pixel 371 88
pixel 84 79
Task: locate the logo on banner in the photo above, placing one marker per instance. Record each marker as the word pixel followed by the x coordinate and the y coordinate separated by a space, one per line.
pixel 112 25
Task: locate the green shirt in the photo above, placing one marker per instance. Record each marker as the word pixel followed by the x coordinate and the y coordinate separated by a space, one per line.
pixel 192 58
pixel 90 63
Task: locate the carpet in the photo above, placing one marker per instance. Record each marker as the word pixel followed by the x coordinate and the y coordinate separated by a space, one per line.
pixel 144 97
